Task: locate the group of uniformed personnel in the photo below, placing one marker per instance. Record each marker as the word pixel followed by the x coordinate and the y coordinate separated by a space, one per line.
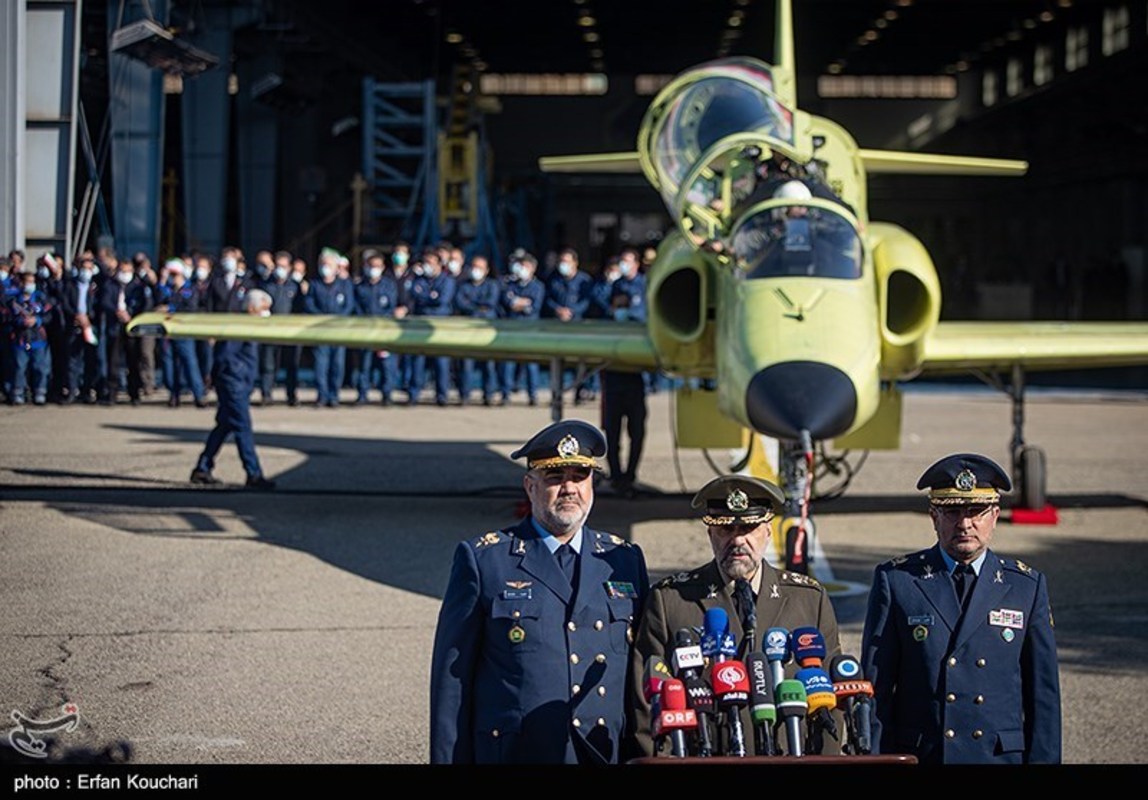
pixel 547 627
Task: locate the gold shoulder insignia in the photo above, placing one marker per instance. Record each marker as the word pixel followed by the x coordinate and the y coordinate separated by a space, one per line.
pixel 618 541
pixel 800 579
pixel 488 538
pixel 1023 567
pixel 898 561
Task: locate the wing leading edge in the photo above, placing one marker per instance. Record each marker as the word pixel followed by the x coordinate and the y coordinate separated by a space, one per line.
pixel 619 344
pixel 958 346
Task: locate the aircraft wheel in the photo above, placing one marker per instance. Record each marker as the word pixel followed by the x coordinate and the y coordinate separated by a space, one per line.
pixel 795 560
pixel 1031 478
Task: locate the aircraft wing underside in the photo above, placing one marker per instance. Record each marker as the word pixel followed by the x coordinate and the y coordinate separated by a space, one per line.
pixel 621 344
pixel 990 346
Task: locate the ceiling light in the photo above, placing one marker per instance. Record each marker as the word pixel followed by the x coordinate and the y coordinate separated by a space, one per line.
pixel 454 37
pixel 587 21
pixel 590 36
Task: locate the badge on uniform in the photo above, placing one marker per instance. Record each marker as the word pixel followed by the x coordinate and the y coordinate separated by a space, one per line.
pixel 920 633
pixel 617 590
pixel 923 619
pixel 1006 618
pixel 517 634
pixel 517 594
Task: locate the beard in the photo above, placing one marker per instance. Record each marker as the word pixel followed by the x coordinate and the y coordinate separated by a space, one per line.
pixel 733 567
pixel 564 516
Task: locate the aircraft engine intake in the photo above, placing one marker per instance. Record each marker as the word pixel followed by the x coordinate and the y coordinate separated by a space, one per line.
pixel 678 302
pixel 909 299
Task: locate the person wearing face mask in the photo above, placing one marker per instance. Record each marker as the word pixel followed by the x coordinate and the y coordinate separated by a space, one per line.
pixel 568 294
pixel 80 309
pixel 432 295
pixel 236 369
pixel 478 297
pixel 334 296
pixel 404 278
pixel 624 393
pixel 29 313
pixel 376 295
pixel 122 297
pixel 144 270
pixel 182 363
pixel 51 276
pixel 522 298
pixel 7 285
pixel 227 288
pixel 286 298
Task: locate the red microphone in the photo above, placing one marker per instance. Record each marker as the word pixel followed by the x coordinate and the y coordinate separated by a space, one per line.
pixel 675 716
pixel 731 693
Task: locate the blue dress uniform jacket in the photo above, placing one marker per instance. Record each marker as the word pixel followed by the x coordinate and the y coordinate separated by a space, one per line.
pixel 525 670
pixel 982 688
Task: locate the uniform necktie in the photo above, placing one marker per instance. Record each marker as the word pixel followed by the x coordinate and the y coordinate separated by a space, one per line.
pixel 566 555
pixel 748 610
pixel 963 578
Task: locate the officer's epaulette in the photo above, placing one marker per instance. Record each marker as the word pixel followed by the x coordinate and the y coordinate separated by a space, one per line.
pixel 602 538
pixel 904 559
pixel 671 580
pixel 489 538
pixel 1016 565
pixel 799 579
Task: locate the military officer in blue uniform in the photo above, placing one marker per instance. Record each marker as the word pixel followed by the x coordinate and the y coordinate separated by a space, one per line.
pixel 235 368
pixel 534 633
pixel 963 682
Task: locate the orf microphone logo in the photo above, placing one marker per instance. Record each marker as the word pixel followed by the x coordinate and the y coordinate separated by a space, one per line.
pixel 730 674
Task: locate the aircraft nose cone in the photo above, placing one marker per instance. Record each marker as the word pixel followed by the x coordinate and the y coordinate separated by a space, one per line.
pixel 785 399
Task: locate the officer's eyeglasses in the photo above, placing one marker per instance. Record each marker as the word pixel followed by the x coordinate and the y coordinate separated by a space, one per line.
pixel 956 513
pixel 560 475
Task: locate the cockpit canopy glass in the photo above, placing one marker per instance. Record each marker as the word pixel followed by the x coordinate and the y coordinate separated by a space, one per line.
pixel 782 239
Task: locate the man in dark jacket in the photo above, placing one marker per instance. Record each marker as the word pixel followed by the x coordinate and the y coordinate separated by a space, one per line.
pixel 235 368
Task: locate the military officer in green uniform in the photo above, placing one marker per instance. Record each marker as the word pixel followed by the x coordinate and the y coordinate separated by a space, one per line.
pixel 736 510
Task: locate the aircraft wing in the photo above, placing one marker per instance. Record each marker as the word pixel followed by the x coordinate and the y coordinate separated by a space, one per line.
pixel 960 346
pixel 623 345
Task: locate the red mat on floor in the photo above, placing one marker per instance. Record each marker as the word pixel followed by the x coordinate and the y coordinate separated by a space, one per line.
pixel 1035 516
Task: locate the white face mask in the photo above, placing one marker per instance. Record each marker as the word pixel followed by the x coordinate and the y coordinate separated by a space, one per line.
pixel 124 277
pixel 375 273
pixel 454 266
pixel 201 273
pixel 327 270
pixel 265 312
pixel 42 273
pixel 3 274
pixel 85 275
pixel 611 277
pixel 281 273
pixel 517 270
pixel 297 277
pixel 566 268
pixel 477 274
pixel 29 288
pixel 229 264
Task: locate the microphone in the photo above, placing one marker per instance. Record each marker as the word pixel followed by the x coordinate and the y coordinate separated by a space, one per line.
pixel 731 691
pixel 792 706
pixel 777 653
pixel 762 710
pixel 822 700
pixel 853 693
pixel 688 664
pixel 808 646
pixel 653 676
pixel 717 641
pixel 675 718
